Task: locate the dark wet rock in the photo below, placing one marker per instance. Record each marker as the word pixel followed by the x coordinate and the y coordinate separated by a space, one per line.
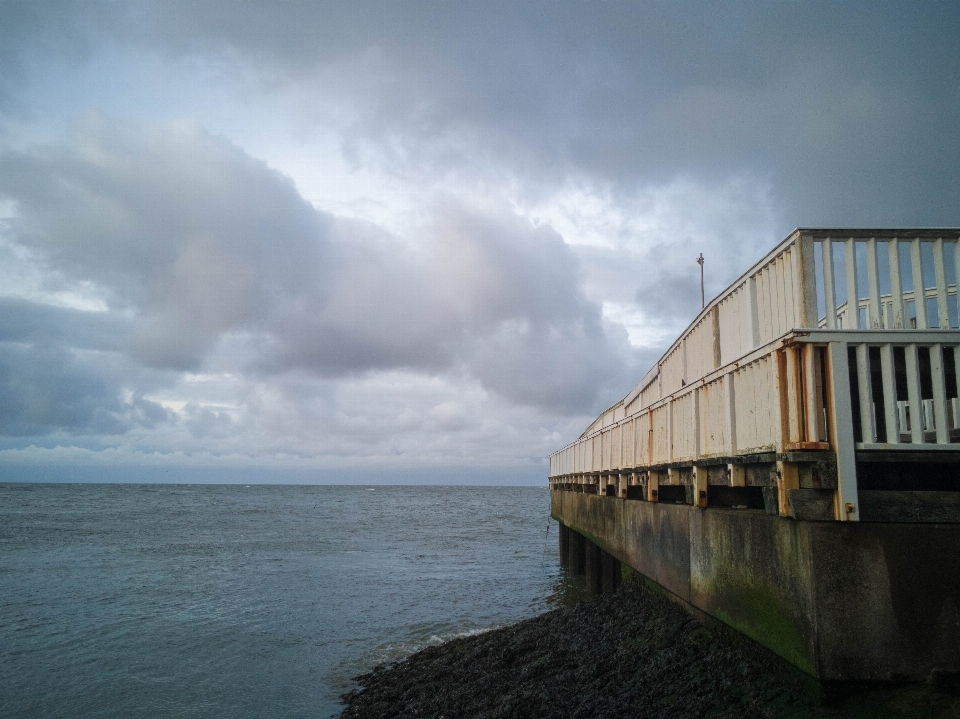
pixel 630 654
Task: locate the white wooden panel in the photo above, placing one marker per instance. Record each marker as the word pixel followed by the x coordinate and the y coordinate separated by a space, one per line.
pixel 699 350
pixel 644 440
pixel 730 412
pixel 684 428
pixel 671 371
pixel 627 438
pixel 661 435
pixel 712 412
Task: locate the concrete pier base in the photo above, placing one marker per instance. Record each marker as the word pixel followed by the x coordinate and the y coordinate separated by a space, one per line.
pixel 594 568
pixel 602 570
pixel 577 552
pixel 840 600
pixel 564 545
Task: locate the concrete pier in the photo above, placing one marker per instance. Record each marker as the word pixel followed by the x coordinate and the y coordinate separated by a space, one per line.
pixel 841 601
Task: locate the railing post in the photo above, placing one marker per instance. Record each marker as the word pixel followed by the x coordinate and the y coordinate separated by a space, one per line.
pixel 653 486
pixel 896 287
pixel 939 394
pixel 939 271
pixel 889 394
pixel 700 486
pixel 806 283
pixel 853 296
pixel 914 403
pixel 829 288
pixel 840 427
pixel 867 428
pixel 919 291
pixel 873 285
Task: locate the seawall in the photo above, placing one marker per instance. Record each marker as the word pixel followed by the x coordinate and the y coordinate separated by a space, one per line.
pixel 841 601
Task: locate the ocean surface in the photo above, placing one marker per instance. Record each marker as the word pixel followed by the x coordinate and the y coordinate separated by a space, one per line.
pixel 251 601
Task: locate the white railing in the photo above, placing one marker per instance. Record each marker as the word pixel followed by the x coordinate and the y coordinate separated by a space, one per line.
pixel 766 366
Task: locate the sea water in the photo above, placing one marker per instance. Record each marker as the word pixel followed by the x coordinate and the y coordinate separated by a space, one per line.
pixel 250 601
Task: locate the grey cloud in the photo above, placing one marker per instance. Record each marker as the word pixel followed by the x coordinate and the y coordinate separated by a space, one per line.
pixel 23 321
pixel 62 369
pixel 849 106
pixel 199 241
pixel 485 291
pixel 45 389
pixel 188 229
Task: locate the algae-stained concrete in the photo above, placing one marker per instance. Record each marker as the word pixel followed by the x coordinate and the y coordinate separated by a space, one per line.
pixel 842 601
pixel 751 570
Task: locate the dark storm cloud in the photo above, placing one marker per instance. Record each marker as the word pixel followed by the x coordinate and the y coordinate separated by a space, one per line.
pixel 851 107
pixel 60 369
pixel 198 241
pixel 41 324
pixel 46 388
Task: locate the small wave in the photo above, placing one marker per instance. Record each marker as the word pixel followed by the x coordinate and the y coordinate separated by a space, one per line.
pixel 398 651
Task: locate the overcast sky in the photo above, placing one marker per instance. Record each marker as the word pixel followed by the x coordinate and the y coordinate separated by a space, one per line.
pixel 390 241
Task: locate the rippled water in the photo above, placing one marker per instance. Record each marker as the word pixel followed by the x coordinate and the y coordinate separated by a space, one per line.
pixel 242 601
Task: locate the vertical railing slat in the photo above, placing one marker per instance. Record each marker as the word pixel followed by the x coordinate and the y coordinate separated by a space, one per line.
pixel 913 394
pixel 896 288
pixel 889 394
pixel 873 284
pixel 943 312
pixel 793 396
pixel 866 399
pixel 813 393
pixel 939 393
pixel 919 296
pixel 829 288
pixel 853 300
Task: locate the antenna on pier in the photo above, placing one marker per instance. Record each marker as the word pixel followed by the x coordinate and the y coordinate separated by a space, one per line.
pixel 703 302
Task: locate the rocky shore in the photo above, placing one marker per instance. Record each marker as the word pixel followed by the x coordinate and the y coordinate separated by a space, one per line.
pixel 629 654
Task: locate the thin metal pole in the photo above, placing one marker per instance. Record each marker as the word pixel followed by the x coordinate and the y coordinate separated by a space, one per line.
pixel 703 302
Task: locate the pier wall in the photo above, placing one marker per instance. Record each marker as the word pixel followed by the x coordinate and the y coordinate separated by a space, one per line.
pixel 840 600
